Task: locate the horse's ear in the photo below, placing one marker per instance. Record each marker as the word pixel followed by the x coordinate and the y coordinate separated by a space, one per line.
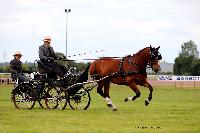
pixel 151 48
pixel 158 48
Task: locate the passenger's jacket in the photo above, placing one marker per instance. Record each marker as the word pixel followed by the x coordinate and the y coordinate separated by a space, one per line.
pixel 46 53
pixel 15 66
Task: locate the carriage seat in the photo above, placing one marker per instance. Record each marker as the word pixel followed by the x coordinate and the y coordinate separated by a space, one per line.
pixel 44 69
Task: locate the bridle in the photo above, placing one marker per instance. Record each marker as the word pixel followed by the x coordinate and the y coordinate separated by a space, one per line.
pixel 153 55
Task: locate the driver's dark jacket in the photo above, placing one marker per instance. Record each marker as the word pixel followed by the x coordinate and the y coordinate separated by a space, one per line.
pixel 15 66
pixel 45 53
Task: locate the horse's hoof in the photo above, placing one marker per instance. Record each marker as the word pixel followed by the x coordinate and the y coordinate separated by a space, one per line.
pixel 126 99
pixel 109 105
pixel 146 102
pixel 115 109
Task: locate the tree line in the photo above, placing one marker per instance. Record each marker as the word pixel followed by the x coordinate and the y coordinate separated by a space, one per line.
pixel 188 61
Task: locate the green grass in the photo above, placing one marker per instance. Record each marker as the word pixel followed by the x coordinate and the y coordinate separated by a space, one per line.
pixel 172 110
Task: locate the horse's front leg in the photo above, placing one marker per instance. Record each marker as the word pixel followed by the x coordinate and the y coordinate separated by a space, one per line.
pixel 134 87
pixel 147 101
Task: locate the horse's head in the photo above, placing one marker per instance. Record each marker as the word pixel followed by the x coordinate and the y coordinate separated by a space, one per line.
pixel 155 56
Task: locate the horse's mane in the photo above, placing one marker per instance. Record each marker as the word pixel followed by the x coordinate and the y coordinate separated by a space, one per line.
pixel 141 51
pixel 136 54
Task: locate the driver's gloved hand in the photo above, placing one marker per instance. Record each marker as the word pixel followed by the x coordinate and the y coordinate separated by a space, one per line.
pixel 59 58
pixel 50 59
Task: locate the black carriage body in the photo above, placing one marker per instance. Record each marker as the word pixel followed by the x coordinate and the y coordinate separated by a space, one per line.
pixel 83 77
pixel 38 76
pixel 66 91
pixel 71 78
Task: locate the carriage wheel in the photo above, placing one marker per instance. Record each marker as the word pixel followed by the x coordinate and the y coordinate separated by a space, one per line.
pixel 81 100
pixel 55 98
pixel 24 97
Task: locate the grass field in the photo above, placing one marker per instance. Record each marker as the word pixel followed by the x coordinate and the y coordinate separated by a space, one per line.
pixel 172 110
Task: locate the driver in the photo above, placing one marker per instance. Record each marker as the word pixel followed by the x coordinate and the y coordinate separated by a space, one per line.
pixel 47 57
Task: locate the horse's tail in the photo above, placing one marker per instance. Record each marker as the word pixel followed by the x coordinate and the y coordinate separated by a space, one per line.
pixel 84 76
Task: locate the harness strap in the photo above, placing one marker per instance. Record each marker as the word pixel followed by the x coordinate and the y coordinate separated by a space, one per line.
pixel 121 72
pixel 130 72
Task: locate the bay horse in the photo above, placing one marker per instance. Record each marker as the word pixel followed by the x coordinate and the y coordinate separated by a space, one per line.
pixel 130 71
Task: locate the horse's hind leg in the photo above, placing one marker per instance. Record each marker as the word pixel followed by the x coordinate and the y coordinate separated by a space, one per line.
pixel 150 93
pixel 107 96
pixel 100 89
pixel 134 87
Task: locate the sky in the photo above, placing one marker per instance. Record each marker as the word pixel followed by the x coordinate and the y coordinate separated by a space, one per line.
pixel 112 27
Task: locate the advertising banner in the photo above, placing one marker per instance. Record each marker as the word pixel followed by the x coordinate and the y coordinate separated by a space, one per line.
pixel 178 78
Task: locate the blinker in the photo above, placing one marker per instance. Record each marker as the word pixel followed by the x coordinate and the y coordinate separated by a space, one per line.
pixel 159 57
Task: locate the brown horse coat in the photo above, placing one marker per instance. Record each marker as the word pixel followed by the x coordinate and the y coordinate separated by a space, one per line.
pixel 131 71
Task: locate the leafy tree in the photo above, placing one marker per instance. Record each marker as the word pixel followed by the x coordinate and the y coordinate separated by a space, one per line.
pixel 182 65
pixel 26 68
pixel 184 62
pixel 195 69
pixel 61 62
pixel 80 66
pixel 4 69
pixel 1 69
pixel 58 54
pixel 189 49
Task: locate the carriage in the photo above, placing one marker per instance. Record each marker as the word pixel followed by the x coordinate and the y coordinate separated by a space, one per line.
pixel 74 87
pixel 52 92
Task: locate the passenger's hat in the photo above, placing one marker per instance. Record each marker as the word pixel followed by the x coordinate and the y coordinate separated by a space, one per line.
pixel 47 39
pixel 17 53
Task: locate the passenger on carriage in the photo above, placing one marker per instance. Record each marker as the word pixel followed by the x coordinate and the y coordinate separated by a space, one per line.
pixel 47 57
pixel 16 68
